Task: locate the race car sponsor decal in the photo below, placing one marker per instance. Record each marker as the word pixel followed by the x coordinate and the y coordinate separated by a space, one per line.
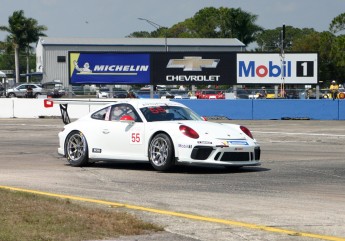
pixel 136 138
pixel 238 149
pixel 184 146
pixel 238 142
pixel 96 150
pixel 159 104
pixel 157 110
pixel 204 142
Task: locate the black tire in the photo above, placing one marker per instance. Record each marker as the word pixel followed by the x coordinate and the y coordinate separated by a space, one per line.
pixel 161 152
pixel 36 95
pixel 11 95
pixel 76 149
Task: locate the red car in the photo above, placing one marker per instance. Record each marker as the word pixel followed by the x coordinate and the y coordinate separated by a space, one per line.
pixel 210 94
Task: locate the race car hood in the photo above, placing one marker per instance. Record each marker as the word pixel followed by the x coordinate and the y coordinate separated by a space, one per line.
pixel 221 131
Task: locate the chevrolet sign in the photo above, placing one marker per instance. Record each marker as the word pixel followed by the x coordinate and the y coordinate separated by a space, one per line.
pixel 193 68
pixel 192 63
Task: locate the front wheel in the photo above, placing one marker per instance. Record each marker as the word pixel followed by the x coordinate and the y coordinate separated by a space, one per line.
pixel 161 152
pixel 11 95
pixel 76 149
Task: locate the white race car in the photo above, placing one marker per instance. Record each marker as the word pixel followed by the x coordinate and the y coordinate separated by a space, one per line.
pixel 162 132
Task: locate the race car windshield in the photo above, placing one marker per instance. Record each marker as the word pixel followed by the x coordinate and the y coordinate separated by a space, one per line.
pixel 168 113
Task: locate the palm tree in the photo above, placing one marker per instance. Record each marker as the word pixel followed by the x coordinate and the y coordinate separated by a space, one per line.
pixel 22 32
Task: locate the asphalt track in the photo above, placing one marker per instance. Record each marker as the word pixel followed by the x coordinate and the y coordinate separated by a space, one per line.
pixel 297 194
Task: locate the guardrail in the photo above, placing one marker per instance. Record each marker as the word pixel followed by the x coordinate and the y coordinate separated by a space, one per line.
pixel 253 109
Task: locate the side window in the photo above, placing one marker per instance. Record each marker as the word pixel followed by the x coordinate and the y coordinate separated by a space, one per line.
pixel 101 114
pixel 123 109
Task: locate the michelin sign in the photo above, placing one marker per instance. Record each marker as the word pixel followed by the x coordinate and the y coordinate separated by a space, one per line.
pixel 109 68
pixel 273 69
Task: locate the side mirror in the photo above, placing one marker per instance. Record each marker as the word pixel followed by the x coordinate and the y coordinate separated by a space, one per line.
pixel 127 118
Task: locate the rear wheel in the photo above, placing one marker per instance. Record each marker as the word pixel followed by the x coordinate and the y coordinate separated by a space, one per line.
pixel 76 149
pixel 161 152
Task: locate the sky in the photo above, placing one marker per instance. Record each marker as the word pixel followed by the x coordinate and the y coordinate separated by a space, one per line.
pixel 119 18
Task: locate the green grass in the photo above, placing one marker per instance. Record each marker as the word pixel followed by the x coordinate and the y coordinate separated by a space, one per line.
pixel 29 217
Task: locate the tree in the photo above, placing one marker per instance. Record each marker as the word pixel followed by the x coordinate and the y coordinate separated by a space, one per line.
pixel 211 22
pixel 140 34
pixel 236 23
pixel 22 32
pixel 337 24
pixel 269 40
pixel 220 23
pixel 205 23
pixel 338 56
pixel 337 52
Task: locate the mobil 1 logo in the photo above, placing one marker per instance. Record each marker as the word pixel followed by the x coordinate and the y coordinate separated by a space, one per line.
pixel 304 68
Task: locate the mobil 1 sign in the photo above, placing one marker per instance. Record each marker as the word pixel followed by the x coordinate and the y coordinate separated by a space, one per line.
pixel 292 68
pixel 193 68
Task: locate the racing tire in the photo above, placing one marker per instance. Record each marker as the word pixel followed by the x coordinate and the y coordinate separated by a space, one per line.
pixel 161 152
pixel 76 149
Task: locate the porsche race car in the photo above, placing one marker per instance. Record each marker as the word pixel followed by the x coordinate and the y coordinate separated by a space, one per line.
pixel 162 132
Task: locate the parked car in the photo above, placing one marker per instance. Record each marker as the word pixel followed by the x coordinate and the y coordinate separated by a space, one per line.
pixel 246 94
pixel 120 93
pixel 174 94
pixel 53 89
pixel 144 94
pixel 105 92
pixel 20 90
pixel 210 94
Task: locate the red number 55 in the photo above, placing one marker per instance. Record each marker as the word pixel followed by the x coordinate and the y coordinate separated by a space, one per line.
pixel 136 137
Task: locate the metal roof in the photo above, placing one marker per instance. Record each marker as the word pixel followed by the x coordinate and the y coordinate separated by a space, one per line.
pixel 226 42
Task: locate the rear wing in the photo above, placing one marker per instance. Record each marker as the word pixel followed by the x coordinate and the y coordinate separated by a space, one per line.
pixel 63 103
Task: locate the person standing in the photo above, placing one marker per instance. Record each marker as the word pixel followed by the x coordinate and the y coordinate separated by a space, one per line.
pixel 263 93
pixel 334 89
pixel 29 93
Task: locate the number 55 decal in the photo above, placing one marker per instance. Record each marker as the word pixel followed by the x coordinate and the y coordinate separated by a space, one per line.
pixel 135 138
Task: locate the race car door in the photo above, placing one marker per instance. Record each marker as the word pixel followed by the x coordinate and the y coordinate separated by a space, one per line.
pixel 123 140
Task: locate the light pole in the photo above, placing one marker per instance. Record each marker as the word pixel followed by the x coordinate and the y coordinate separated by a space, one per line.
pixel 282 56
pixel 157 26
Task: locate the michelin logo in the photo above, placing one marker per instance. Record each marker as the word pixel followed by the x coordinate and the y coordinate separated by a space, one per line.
pixel 84 69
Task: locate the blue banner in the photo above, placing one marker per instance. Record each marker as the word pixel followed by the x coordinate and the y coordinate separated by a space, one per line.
pixel 109 68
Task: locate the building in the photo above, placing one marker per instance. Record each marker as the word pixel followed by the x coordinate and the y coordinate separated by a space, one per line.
pixel 52 53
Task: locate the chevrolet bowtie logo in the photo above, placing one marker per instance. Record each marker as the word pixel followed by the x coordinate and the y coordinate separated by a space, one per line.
pixel 193 63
